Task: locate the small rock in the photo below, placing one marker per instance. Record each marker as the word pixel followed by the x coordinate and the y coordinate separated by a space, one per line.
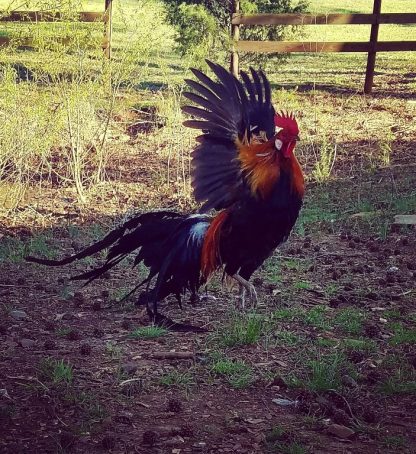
pixel 285 402
pixel 128 368
pixel 18 315
pixel 340 431
pixel 349 381
pixel 27 343
pixel 393 269
pixel 4 394
pixel 174 440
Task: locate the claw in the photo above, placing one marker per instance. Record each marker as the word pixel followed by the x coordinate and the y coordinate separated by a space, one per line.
pixel 246 286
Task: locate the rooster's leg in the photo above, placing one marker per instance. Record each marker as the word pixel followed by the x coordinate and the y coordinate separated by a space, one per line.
pixel 246 286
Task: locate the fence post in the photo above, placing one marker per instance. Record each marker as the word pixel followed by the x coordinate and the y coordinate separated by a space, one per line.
pixel 235 35
pixel 371 59
pixel 108 27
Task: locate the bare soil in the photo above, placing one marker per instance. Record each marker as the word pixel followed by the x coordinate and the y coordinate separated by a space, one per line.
pixel 120 399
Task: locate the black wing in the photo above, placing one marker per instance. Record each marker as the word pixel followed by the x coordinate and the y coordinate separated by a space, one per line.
pixel 228 112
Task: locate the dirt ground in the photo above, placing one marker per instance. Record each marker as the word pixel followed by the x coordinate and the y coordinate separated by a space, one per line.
pixel 331 368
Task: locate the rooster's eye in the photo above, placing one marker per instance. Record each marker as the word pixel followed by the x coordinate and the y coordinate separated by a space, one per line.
pixel 278 144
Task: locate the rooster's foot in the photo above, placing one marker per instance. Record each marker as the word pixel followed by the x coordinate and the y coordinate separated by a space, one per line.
pixel 246 286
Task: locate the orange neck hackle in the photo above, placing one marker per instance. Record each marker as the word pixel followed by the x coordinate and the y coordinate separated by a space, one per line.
pixel 262 164
pixel 259 163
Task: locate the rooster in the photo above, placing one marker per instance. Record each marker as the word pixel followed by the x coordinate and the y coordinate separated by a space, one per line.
pixel 244 168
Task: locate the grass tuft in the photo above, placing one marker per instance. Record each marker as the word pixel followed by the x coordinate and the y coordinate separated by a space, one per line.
pixel 238 373
pixel 56 371
pixel 350 320
pixel 148 332
pixel 241 329
pixel 178 379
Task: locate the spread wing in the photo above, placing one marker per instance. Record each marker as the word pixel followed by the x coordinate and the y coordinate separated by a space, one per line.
pixel 228 112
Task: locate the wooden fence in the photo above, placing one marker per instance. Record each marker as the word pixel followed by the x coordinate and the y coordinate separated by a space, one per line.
pixel 50 16
pixel 371 47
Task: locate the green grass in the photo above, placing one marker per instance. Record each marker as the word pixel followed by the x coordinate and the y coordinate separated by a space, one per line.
pixel 289 338
pixel 237 373
pixel 63 331
pixel 56 371
pixel 398 384
pixel 177 379
pixel 402 335
pixel 361 345
pixel 286 314
pixel 350 320
pixel 302 285
pixel 15 249
pixel 241 329
pixel 394 441
pixel 325 373
pixel 317 317
pixel 282 440
pixel 148 332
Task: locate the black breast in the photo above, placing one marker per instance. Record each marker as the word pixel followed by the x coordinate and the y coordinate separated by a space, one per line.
pixel 255 227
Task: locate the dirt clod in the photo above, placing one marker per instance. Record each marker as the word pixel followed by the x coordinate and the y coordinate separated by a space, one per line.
pixel 49 344
pixel 186 430
pixel 150 437
pixel 108 442
pixel 371 330
pixel 85 349
pixel 174 405
pixel 98 332
pixel 128 368
pixel 96 306
pixel 67 440
pixel 73 335
pixel 126 324
pixel 340 431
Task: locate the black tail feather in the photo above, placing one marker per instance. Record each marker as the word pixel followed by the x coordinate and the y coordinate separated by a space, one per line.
pixel 107 241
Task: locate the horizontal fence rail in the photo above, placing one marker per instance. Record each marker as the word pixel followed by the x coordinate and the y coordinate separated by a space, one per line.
pixel 45 16
pixel 55 16
pixel 371 47
pixel 318 46
pixel 322 19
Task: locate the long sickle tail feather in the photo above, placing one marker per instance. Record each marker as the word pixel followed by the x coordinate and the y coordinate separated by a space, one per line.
pixel 104 243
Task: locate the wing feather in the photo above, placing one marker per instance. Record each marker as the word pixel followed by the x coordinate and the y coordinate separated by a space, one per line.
pixel 228 112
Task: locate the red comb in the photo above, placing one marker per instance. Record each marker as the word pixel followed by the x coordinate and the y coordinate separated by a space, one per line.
pixel 287 122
